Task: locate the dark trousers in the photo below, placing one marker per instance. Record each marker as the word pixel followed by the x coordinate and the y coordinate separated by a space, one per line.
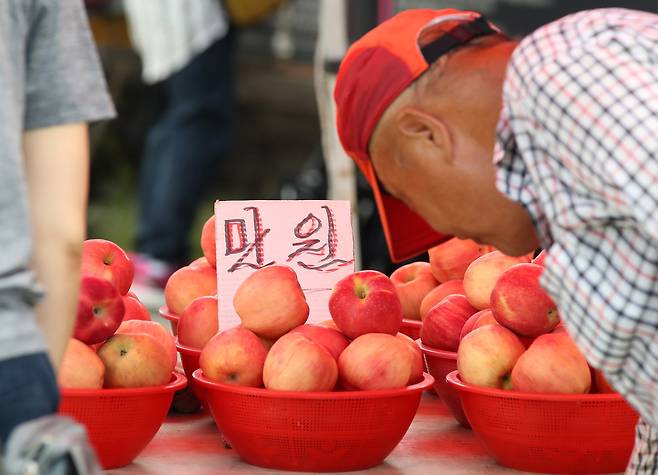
pixel 182 151
pixel 28 390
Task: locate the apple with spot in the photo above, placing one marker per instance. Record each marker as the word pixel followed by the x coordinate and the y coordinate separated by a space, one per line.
pixel 519 303
pixel 100 310
pixel 365 302
pixel 106 260
pixel 157 331
pixel 135 360
pixel 487 355
pixel 234 356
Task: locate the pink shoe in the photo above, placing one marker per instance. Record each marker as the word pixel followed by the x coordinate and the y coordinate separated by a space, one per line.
pixel 151 272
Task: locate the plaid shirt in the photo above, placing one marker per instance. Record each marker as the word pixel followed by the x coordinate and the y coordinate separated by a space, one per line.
pixel 578 147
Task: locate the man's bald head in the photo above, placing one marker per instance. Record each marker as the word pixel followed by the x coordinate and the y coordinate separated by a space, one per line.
pixel 426 134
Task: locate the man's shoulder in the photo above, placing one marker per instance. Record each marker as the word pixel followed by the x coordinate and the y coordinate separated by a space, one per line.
pixel 566 42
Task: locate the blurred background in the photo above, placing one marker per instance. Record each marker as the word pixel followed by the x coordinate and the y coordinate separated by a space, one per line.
pixel 275 148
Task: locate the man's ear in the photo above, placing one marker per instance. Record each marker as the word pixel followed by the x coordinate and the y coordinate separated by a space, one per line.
pixel 425 133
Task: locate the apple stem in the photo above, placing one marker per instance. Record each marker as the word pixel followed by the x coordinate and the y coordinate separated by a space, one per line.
pixel 361 290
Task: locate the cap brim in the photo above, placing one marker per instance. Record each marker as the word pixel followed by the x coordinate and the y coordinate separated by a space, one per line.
pixel 407 234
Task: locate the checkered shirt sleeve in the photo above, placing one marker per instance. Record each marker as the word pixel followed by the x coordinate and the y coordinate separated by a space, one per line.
pixel 578 147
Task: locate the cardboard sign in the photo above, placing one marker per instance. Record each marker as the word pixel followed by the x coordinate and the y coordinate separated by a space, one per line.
pixel 313 237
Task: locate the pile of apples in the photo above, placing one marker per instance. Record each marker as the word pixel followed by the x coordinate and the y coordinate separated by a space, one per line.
pixel 359 348
pixel 273 347
pixel 506 330
pixel 115 344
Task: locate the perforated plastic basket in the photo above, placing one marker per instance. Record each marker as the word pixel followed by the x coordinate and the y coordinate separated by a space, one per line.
pixel 550 433
pixel 314 432
pixel 189 357
pixel 172 317
pixel 439 364
pixel 411 328
pixel 120 422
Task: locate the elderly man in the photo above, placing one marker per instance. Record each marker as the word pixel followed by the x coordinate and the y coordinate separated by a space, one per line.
pixel 462 131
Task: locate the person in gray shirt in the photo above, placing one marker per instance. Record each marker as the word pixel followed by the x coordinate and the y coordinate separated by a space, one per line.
pixel 51 86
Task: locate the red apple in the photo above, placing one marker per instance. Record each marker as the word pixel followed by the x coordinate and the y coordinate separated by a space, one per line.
pixel 135 360
pixel 134 309
pixel 188 283
pixel 295 363
pixel 539 260
pixel 331 339
pixel 365 302
pixel 482 274
pixel 100 310
pixel 477 320
pixel 443 323
pixel 199 322
pixel 412 282
pixel 450 259
pixel 270 302
pixel 208 241
pixel 487 355
pixel 157 331
pixel 552 364
pixel 81 367
pixel 376 361
pixel 418 364
pixel 104 259
pixel 438 293
pixel 234 356
pixel 519 303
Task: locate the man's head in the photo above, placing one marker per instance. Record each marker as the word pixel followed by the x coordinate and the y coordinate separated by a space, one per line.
pixel 418 101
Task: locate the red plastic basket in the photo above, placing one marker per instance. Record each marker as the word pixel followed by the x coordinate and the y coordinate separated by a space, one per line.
pixel 120 422
pixel 172 317
pixel 313 432
pixel 439 364
pixel 189 357
pixel 550 433
pixel 411 328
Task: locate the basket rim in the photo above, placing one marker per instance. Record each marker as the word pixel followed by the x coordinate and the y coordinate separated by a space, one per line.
pixel 411 323
pixel 179 381
pixel 429 351
pixel 187 350
pixel 454 380
pixel 426 383
pixel 167 314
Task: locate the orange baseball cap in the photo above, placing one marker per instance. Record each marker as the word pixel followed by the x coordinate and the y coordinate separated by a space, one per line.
pixel 375 71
